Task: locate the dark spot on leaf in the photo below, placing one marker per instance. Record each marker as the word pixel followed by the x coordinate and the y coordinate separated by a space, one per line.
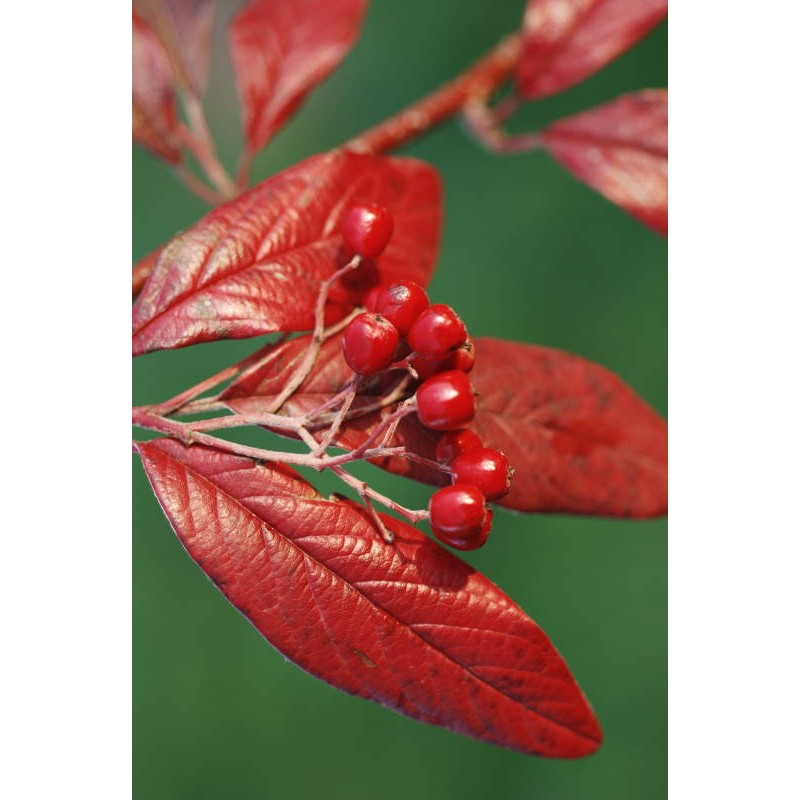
pixel 365 659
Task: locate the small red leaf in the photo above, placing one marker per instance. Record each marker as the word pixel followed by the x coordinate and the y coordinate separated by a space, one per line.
pixel 620 149
pixel 155 115
pixel 185 27
pixel 406 625
pixel 281 51
pixel 580 440
pixel 254 265
pixel 565 41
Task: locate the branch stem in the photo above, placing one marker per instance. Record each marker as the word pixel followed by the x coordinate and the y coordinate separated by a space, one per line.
pixel 200 143
pixel 317 338
pixel 183 432
pixel 197 187
pixel 364 490
pixel 480 81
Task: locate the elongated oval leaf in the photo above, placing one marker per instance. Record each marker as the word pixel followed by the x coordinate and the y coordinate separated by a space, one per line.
pixel 406 625
pixel 254 265
pixel 155 115
pixel 565 41
pixel 579 439
pixel 620 149
pixel 185 28
pixel 281 51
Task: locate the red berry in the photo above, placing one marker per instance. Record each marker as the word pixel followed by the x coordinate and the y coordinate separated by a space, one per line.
pixel 446 401
pixel 401 303
pixel 367 230
pixel 459 516
pixel 437 331
pixel 462 358
pixel 453 443
pixel 369 343
pixel 487 469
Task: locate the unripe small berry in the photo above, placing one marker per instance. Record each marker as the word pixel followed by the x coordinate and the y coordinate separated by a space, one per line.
pixel 437 331
pixel 367 229
pixel 485 468
pixel 402 303
pixel 452 444
pixel 446 401
pixel 369 343
pixel 459 516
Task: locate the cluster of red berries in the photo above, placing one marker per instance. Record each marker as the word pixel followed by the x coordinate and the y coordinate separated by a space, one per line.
pixel 400 323
pixel 459 514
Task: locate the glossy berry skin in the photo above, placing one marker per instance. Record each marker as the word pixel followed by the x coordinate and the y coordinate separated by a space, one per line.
pixel 485 468
pixel 367 229
pixel 445 401
pixel 462 358
pixel 459 516
pixel 402 303
pixel 369 343
pixel 452 444
pixel 437 331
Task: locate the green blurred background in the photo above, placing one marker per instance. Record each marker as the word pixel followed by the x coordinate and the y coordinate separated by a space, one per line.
pixel 527 254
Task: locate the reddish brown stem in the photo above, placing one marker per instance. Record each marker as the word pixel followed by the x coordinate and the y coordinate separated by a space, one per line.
pixel 484 123
pixel 144 418
pixel 200 143
pixel 479 81
pixel 197 187
pixel 317 338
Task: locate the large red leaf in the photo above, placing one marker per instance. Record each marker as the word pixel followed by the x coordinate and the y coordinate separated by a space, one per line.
pixel 565 41
pixel 254 265
pixel 620 149
pixel 579 439
pixel 185 27
pixel 281 51
pixel 155 115
pixel 406 625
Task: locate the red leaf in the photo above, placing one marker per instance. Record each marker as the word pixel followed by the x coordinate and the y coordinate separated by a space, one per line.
pixel 185 27
pixel 155 115
pixel 620 149
pixel 565 41
pixel 254 265
pixel 256 389
pixel 406 625
pixel 281 51
pixel 579 439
